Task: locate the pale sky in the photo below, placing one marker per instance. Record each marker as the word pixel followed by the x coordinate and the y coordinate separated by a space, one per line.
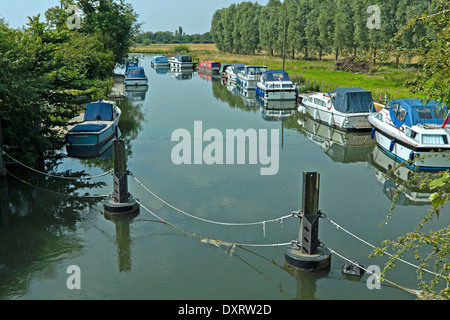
pixel 158 15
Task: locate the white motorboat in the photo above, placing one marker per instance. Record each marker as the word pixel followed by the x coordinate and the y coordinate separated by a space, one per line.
pixel 414 132
pixel 344 108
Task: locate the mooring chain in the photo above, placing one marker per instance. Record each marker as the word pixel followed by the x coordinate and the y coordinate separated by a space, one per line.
pixel 324 216
pixel 208 240
pixel 281 219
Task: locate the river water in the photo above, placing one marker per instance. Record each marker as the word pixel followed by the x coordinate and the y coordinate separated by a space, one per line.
pixel 49 224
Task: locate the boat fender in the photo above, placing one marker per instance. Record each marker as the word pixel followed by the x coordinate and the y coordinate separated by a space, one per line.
pixel 391 147
pixel 329 104
pixel 412 156
pixel 372 135
pixel 327 144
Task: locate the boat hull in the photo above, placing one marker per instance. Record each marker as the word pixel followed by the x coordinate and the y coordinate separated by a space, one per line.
pixel 414 157
pixel 92 138
pixel 338 120
pixel 136 82
pixel 276 95
pixel 160 64
pixel 209 71
pixel 181 65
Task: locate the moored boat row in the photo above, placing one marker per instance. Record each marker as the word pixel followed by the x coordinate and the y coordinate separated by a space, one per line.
pixel 407 130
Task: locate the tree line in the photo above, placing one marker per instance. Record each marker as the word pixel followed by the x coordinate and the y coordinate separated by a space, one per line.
pixel 47 66
pixel 178 36
pixel 314 28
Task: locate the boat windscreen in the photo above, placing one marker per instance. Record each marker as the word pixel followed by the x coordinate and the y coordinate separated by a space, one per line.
pixel 136 73
pixel 97 111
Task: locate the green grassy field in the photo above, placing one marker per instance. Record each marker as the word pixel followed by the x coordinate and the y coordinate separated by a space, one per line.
pixel 388 80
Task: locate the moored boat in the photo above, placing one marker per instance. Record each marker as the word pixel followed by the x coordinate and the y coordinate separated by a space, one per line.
pixel 181 61
pixel 135 76
pixel 160 61
pixel 344 108
pixel 209 67
pixel 233 70
pixel 276 85
pixel 223 69
pixel 414 132
pixel 250 75
pixel 100 123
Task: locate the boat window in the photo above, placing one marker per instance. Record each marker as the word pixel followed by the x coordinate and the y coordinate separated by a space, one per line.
pixel 286 86
pixel 433 139
pixel 276 86
pixel 310 99
pixel 440 113
pixel 411 133
pixel 320 102
pixel 424 114
pixel 400 112
pixel 379 116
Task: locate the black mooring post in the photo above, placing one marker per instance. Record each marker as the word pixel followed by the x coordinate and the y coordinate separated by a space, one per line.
pixel 120 204
pixel 308 236
pixel 120 172
pixel 305 253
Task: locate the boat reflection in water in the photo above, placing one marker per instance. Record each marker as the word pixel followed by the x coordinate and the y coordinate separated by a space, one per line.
pixel 136 94
pixel 341 146
pixel 275 114
pixel 248 96
pixel 103 151
pixel 290 105
pixel 182 74
pixel 392 176
pixel 208 77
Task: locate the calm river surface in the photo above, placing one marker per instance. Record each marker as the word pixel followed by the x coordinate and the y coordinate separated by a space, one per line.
pixel 43 232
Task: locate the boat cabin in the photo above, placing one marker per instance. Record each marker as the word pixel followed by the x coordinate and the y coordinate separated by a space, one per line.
pixel 253 70
pixel 100 111
pixel 351 100
pixel 161 59
pixel 276 79
pixel 213 65
pixel 130 65
pixel 136 73
pixel 183 58
pixel 410 112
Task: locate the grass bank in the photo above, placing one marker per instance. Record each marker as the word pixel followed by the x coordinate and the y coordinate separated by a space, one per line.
pixel 388 80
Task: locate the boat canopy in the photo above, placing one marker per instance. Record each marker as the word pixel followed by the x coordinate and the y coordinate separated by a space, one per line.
pixel 183 58
pixel 224 67
pixel 237 67
pixel 136 72
pixel 96 111
pixel 253 70
pixel 130 65
pixel 351 100
pixel 275 75
pixel 416 111
pixel 161 59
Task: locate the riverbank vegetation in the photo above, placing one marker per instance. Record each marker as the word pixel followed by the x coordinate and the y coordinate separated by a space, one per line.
pixel 311 74
pixel 48 69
